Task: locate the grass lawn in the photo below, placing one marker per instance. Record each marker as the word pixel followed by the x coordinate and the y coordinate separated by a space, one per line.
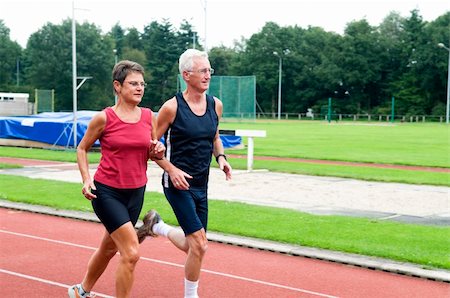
pixel 423 144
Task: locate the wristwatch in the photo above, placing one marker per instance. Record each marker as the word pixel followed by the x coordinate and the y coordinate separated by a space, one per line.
pixel 219 155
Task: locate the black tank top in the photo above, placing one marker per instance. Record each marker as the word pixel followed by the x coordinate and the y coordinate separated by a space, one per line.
pixel 189 141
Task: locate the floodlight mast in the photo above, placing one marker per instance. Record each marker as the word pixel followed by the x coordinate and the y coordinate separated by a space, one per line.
pixel 74 77
pixel 447 110
pixel 280 70
pixel 115 62
pixel 279 82
pixel 203 2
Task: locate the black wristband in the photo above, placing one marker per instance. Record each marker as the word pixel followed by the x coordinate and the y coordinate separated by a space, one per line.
pixel 217 157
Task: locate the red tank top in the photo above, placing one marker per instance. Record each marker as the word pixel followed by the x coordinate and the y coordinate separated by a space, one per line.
pixel 124 148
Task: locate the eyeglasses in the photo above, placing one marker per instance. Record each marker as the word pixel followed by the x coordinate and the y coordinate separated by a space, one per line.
pixel 136 84
pixel 203 71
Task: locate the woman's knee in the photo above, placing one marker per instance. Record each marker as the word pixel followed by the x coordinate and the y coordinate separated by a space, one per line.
pixel 126 241
pixel 131 256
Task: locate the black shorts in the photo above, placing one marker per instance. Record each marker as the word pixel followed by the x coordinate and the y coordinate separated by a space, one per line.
pixel 190 207
pixel 115 207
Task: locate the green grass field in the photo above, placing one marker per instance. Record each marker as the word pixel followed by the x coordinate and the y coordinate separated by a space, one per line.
pixel 408 144
pixel 424 144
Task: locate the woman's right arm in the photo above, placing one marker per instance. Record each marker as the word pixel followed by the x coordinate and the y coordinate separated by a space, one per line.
pixel 93 132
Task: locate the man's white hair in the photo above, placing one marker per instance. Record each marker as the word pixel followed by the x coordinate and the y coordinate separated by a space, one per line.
pixel 186 61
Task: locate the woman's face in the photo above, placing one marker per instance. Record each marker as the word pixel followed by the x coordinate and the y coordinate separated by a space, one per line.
pixel 132 88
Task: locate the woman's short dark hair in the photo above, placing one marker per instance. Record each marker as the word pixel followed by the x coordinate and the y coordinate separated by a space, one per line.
pixel 124 68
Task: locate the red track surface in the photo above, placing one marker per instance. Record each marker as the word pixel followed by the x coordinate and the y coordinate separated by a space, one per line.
pixel 42 255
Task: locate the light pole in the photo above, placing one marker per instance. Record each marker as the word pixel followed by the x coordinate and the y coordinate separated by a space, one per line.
pixel 203 2
pixel 74 76
pixel 75 86
pixel 441 45
pixel 280 70
pixel 115 62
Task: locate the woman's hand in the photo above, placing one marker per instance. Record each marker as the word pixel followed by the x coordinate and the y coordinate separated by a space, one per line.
pixel 88 185
pixel 156 150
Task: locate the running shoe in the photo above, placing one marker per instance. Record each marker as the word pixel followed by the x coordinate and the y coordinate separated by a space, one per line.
pixel 150 219
pixel 76 290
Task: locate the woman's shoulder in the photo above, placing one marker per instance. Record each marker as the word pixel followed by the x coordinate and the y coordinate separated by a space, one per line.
pixel 99 119
pixel 147 114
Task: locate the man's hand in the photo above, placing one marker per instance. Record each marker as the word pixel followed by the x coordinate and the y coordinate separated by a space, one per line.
pixel 178 178
pixel 225 167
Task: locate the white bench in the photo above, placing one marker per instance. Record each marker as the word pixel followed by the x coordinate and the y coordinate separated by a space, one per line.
pixel 250 134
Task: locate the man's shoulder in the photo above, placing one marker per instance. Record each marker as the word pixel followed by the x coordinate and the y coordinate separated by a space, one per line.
pixel 171 102
pixel 169 106
pixel 217 101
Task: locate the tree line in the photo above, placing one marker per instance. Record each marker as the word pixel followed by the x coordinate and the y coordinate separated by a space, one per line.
pixel 361 69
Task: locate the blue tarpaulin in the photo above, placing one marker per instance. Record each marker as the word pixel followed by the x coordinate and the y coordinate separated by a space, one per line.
pixel 57 128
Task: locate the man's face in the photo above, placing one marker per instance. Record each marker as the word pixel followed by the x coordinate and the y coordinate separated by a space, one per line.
pixel 200 74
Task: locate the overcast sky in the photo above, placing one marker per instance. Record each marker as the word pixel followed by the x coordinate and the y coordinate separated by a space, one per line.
pixel 226 20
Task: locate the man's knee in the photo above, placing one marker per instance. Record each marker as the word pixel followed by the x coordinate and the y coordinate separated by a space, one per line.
pixel 198 244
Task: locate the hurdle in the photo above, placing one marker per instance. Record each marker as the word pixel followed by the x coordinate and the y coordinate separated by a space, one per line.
pixel 250 134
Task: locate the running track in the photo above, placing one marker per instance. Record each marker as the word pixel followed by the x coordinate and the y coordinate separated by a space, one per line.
pixel 41 255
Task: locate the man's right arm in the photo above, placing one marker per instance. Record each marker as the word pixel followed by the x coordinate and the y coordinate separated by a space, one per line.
pixel 164 119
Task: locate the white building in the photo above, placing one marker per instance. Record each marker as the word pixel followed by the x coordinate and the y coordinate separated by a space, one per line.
pixel 14 104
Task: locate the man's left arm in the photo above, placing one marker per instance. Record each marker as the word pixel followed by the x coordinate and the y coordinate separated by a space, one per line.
pixel 218 150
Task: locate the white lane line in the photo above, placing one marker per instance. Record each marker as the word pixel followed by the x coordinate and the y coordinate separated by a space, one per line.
pixel 270 284
pixel 45 281
pixel 48 240
pixel 179 266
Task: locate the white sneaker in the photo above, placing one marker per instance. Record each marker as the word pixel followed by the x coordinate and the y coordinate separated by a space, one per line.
pixel 76 290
